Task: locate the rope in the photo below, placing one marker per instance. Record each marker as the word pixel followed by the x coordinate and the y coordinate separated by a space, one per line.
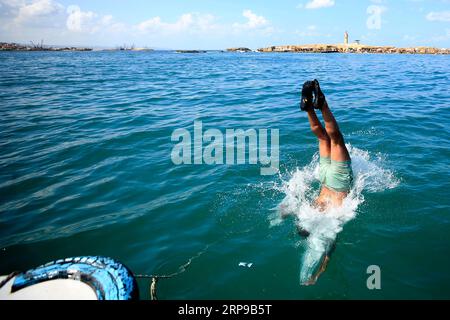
pixel 154 278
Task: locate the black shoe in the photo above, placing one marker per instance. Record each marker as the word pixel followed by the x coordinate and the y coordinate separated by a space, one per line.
pixel 306 102
pixel 319 97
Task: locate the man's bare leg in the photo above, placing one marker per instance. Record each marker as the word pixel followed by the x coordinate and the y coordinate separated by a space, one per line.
pixel 339 151
pixel 324 151
pixel 323 264
pixel 322 268
pixel 320 133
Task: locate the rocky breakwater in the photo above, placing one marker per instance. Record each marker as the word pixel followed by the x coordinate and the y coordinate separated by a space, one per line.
pixel 239 49
pixel 352 48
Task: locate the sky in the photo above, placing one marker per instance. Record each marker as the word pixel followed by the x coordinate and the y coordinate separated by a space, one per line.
pixel 214 24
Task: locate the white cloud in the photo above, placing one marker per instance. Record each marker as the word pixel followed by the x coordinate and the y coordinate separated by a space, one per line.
pixel 48 16
pixel 10 5
pixel 443 16
pixel 205 24
pixel 188 23
pixel 38 12
pixel 152 24
pixel 80 20
pixel 253 21
pixel 316 4
pixel 191 28
pixel 38 8
pixel 106 20
pixel 25 20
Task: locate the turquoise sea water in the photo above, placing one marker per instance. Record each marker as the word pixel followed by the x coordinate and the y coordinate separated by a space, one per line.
pixel 85 169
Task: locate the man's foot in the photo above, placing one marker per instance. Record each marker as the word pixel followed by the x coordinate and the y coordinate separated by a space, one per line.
pixel 306 102
pixel 319 97
pixel 310 282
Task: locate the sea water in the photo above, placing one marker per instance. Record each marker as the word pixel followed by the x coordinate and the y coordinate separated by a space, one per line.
pixel 85 169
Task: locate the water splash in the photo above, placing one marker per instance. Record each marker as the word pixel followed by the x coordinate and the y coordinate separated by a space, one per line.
pixel 302 188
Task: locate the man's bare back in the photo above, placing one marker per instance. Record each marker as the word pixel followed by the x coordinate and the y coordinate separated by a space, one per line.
pixel 329 199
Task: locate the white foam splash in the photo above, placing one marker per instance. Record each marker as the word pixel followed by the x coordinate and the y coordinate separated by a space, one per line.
pixel 300 192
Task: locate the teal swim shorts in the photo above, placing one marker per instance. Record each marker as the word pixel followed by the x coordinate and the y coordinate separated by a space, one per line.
pixel 336 175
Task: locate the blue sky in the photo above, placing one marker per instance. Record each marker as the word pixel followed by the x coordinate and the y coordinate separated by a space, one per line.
pixel 214 24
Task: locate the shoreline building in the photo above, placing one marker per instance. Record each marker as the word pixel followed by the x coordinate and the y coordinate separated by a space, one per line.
pixel 346 38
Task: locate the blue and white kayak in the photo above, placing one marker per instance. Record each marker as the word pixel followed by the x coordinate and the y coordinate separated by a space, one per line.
pixel 79 278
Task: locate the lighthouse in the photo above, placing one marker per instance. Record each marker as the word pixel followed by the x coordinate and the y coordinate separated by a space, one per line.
pixel 346 38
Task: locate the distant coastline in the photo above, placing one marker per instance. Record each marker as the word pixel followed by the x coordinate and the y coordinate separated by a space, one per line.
pixel 353 48
pixel 305 48
pixel 6 46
